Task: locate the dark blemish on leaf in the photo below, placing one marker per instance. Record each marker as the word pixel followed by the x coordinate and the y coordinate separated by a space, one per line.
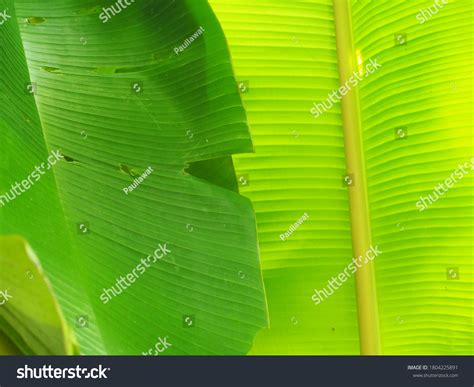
pixel 33 20
pixel 53 70
pixel 68 159
pixel 128 171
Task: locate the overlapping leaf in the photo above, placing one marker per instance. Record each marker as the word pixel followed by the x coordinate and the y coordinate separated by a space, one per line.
pixel 29 314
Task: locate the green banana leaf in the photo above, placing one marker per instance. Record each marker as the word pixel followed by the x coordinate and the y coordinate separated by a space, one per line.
pixel 30 316
pixel 119 96
pixel 425 274
pixel 285 57
pixel 115 100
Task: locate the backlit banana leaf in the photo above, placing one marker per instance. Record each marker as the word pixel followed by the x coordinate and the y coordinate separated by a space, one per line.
pixel 424 88
pixel 417 124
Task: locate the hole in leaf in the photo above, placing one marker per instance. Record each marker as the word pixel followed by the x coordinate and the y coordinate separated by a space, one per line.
pixel 68 159
pixel 35 20
pixel 48 69
pixel 128 171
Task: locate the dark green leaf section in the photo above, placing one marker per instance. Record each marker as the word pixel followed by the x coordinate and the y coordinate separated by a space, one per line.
pixel 218 171
pixel 36 214
pixel 121 100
